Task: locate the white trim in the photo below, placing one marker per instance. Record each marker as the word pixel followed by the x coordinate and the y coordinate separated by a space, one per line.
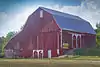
pixel 76 40
pixel 42 53
pixel 37 53
pixel 58 52
pixel 76 35
pixel 33 54
pixel 58 43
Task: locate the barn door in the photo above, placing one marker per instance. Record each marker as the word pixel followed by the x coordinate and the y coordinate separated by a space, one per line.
pixel 35 54
pixel 40 53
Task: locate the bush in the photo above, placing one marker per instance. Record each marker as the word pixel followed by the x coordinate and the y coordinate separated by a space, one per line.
pixel 87 52
pixel 79 52
pixel 1 55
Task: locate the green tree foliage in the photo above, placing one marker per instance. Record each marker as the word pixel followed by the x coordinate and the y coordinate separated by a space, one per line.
pixel 4 40
pixel 1 45
pixel 7 38
pixel 1 41
pixel 98 35
pixel 9 35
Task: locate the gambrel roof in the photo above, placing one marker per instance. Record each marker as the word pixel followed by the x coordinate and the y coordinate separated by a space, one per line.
pixel 70 22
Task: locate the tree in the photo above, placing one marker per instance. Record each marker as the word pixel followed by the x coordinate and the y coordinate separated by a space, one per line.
pixel 1 41
pixel 9 35
pixel 1 46
pixel 98 35
pixel 4 40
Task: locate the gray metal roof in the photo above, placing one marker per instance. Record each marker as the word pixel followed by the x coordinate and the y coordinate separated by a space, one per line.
pixel 70 22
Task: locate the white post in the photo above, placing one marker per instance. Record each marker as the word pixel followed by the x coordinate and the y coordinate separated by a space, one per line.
pixel 72 40
pixel 58 43
pixel 38 53
pixel 58 51
pixel 76 40
pixel 33 53
pixel 49 53
pixel 61 37
pixel 80 41
pixel 42 54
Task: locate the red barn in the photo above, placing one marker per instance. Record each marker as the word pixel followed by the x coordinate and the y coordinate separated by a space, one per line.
pixel 49 33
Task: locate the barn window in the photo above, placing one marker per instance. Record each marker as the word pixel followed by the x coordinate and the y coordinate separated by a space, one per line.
pixel 41 13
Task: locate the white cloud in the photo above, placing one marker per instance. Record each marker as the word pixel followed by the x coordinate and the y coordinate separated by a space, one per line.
pixel 13 22
pixel 88 10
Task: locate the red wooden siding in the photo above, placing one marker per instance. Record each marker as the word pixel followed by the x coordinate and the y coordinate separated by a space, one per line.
pixel 86 41
pixel 67 38
pixel 46 34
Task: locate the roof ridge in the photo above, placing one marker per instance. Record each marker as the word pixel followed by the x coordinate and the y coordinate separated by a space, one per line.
pixel 61 13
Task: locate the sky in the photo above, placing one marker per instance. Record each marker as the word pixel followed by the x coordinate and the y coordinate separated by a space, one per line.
pixel 14 13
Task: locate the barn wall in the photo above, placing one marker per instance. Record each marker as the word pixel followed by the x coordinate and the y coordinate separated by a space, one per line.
pixel 45 30
pixel 30 29
pixel 87 40
pixel 67 38
pixel 47 37
pixel 48 41
pixel 90 41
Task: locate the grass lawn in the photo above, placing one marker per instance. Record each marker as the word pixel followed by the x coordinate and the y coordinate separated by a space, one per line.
pixel 65 62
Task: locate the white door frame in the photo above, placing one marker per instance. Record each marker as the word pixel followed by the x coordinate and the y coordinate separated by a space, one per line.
pixel 76 40
pixel 37 53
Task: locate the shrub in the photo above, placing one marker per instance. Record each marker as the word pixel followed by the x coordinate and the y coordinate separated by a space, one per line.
pixel 87 52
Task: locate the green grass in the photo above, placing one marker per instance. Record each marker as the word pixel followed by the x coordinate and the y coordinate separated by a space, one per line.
pixel 55 62
pixel 94 58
